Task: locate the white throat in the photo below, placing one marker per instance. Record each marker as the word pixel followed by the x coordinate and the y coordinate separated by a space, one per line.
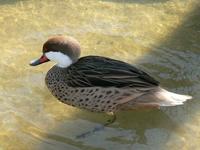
pixel 61 59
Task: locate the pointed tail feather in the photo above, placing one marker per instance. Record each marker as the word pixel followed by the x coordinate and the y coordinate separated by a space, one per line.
pixel 166 98
pixel 156 98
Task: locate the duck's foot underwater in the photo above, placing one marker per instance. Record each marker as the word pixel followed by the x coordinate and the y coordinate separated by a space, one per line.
pixel 98 128
pixel 111 120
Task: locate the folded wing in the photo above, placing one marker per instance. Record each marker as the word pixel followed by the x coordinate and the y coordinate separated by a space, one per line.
pixel 95 71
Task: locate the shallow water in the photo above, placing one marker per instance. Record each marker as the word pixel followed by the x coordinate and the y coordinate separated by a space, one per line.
pixel 160 36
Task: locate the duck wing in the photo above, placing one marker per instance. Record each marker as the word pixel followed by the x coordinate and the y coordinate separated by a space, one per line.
pixel 97 71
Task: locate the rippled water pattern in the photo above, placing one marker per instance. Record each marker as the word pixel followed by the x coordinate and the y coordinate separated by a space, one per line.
pixel 160 36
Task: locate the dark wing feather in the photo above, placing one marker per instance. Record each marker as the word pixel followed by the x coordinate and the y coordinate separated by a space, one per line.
pixel 92 71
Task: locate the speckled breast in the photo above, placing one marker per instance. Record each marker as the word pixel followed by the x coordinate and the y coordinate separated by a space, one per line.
pixel 92 98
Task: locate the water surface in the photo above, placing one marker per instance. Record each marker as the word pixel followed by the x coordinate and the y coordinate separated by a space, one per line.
pixel 160 36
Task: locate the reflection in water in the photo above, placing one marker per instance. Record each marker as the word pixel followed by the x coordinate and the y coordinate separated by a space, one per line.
pixel 160 36
pixel 136 130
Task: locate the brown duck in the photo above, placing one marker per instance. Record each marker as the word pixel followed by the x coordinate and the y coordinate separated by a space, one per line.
pixel 98 83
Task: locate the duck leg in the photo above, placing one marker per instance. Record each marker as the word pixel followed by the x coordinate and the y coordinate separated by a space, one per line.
pixel 111 120
pixel 98 128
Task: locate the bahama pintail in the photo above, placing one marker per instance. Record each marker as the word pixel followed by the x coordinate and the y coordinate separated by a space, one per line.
pixel 98 83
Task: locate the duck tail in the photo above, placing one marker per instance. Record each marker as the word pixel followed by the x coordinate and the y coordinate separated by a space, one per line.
pixel 156 98
pixel 166 98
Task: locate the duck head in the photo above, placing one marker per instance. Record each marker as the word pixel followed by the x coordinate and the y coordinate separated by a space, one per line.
pixel 60 49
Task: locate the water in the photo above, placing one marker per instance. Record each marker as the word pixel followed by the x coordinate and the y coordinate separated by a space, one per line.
pixel 160 36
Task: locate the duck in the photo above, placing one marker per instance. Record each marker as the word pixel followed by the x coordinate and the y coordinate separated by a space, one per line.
pixel 100 84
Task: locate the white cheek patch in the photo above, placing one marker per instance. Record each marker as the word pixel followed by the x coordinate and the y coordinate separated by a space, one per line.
pixel 61 59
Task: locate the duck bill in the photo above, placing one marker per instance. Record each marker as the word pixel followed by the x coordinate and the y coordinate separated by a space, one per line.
pixel 39 61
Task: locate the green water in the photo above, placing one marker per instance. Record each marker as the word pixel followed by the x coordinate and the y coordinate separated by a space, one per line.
pixel 160 36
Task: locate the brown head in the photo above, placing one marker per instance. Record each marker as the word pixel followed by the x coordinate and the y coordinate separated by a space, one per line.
pixel 60 49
